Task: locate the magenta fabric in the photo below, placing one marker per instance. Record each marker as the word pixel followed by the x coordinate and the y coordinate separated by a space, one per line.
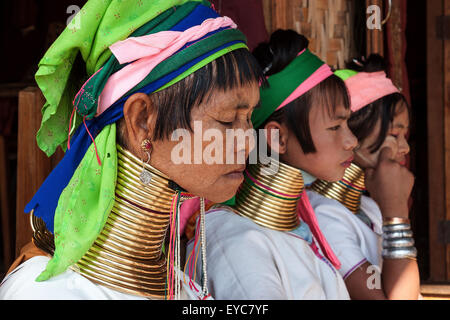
pixel 307 215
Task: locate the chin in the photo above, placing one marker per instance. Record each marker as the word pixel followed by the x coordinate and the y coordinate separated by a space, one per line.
pixel 335 176
pixel 220 198
pixel 221 194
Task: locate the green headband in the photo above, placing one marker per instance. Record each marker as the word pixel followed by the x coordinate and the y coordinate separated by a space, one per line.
pixel 345 73
pixel 284 83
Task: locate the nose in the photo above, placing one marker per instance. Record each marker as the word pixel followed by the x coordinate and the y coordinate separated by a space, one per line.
pixel 250 139
pixel 244 139
pixel 403 145
pixel 350 141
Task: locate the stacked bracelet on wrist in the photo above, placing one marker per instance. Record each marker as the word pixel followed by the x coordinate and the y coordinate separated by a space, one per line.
pixel 398 242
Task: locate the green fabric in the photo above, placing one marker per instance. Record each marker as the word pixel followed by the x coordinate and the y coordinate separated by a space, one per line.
pixel 95 86
pixel 283 84
pixel 101 23
pixel 203 63
pixel 345 73
pixel 231 202
pixel 188 54
pixel 84 205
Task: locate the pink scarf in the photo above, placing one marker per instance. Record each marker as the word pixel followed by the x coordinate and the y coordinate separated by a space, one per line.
pixel 145 53
pixel 367 87
pixel 307 214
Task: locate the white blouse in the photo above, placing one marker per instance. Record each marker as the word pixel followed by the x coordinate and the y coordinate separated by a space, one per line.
pixel 20 284
pixel 248 262
pixel 354 241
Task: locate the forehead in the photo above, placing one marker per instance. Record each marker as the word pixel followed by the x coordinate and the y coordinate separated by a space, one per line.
pixel 401 118
pixel 325 114
pixel 241 96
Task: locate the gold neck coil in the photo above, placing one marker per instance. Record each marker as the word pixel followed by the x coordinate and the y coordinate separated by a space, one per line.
pixel 127 255
pixel 348 191
pixel 271 200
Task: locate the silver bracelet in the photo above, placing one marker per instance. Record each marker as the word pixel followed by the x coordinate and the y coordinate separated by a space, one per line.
pixel 396 227
pixel 397 234
pixel 403 253
pixel 398 243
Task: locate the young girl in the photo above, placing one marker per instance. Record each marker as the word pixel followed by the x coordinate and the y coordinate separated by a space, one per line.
pixel 268 245
pixel 372 234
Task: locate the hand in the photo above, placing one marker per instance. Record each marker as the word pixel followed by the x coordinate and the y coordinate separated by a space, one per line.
pixel 390 185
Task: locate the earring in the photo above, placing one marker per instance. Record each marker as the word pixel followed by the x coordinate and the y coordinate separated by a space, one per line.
pixel 146 176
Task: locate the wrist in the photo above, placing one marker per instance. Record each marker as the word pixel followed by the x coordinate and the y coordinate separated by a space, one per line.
pixel 400 212
pixel 398 241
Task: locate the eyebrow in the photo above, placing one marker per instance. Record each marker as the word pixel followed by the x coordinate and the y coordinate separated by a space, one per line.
pixel 341 117
pixel 245 106
pixel 400 126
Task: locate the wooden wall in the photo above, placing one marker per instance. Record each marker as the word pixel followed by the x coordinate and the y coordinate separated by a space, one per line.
pixel 438 110
pixel 326 23
pixel 33 166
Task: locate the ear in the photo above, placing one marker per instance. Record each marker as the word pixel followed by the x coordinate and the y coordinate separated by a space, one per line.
pixel 277 144
pixel 140 117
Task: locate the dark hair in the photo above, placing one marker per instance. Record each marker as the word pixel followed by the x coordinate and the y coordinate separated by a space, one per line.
pixel 363 122
pixel 273 57
pixel 174 104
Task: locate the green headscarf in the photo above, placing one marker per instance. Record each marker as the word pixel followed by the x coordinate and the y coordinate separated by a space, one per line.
pixel 99 24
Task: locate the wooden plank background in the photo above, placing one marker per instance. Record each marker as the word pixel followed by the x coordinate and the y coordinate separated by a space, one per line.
pixel 375 43
pixel 33 166
pixel 446 70
pixel 436 143
pixel 326 23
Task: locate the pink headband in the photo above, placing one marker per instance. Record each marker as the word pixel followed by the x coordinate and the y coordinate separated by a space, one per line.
pixel 317 77
pixel 365 88
pixel 145 53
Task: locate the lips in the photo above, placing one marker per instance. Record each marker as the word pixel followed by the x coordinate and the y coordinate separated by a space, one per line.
pixel 237 173
pixel 348 163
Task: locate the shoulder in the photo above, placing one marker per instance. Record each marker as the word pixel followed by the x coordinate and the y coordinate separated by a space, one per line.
pixel 370 206
pixel 330 211
pixel 319 202
pixel 224 221
pixel 21 284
